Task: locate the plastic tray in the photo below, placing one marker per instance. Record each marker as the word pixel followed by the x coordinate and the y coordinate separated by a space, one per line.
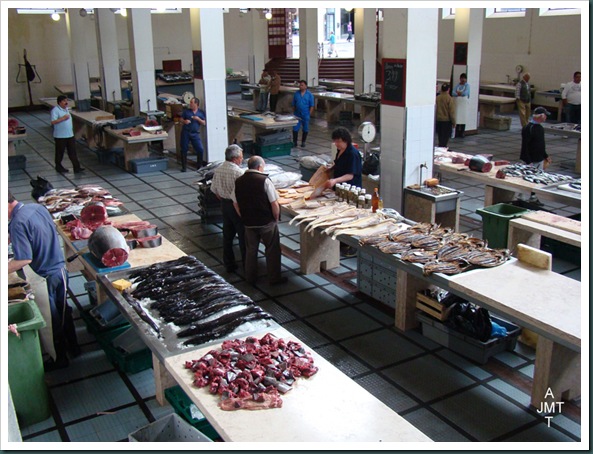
pixel 130 363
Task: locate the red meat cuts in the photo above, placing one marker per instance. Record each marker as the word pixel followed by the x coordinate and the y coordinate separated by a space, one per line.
pixel 149 241
pixel 109 245
pixel 94 214
pixel 130 225
pixel 251 374
pixel 144 231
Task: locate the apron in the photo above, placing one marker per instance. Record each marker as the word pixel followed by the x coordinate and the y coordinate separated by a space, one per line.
pixel 461 108
pixel 39 288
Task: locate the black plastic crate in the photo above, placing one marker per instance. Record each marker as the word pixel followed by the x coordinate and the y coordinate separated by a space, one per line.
pixel 466 345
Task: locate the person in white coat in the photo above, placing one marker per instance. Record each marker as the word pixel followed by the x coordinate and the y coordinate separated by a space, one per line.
pixel 461 97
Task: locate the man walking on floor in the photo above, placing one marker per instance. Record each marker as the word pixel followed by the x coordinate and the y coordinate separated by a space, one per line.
pixel 63 133
pixel 303 104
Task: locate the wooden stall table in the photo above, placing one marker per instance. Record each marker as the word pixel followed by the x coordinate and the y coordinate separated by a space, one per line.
pixel 134 146
pixel 137 257
pixel 12 138
pixel 490 105
pixel 327 407
pixel 258 122
pixel 332 84
pixel 545 302
pixel 530 227
pixel 498 190
pixel 84 124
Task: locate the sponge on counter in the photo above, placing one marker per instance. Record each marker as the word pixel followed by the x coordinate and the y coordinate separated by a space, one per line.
pixel 121 284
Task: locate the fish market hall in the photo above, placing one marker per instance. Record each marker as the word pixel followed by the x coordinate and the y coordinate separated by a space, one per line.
pixel 240 237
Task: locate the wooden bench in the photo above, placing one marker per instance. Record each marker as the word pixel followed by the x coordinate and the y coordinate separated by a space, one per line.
pixel 489 105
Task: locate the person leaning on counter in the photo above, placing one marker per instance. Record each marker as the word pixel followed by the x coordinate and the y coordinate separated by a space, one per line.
pixel 347 167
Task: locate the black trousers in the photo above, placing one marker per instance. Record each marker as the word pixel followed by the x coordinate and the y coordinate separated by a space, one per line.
pixel 63 145
pixel 273 102
pixel 444 132
pixel 459 130
pixel 231 225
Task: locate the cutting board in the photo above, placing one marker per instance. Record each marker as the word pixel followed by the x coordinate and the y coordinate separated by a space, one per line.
pixel 99 267
pixel 560 222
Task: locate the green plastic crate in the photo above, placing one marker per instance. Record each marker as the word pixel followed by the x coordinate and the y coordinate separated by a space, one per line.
pixel 130 363
pixel 95 328
pixel 182 405
pixel 270 151
pixel 495 222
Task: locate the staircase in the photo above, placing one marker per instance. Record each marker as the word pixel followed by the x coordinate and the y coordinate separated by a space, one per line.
pixel 329 68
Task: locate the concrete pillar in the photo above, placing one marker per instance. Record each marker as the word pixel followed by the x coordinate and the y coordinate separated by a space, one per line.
pixel 207 35
pixel 108 55
pixel 308 58
pixel 365 50
pixel 257 31
pixel 407 133
pixel 142 59
pixel 468 29
pixel 77 27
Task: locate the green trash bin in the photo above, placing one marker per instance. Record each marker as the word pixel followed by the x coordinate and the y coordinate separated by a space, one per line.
pixel 26 376
pixel 495 222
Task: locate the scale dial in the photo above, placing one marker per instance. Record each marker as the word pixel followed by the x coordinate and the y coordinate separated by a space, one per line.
pixel 187 97
pixel 367 131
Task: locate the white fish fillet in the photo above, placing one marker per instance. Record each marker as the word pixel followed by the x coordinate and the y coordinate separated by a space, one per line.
pixel 335 214
pixel 363 220
pixel 382 227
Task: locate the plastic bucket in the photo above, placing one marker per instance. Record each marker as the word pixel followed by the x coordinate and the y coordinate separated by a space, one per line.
pixel 495 223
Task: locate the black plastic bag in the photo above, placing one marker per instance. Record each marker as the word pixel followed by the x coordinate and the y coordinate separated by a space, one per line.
pixel 40 187
pixel 470 320
pixel 371 165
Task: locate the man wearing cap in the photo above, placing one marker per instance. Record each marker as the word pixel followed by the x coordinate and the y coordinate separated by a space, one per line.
pixel 533 144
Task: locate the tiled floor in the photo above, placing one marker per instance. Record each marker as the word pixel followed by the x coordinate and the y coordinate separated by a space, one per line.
pixel 445 395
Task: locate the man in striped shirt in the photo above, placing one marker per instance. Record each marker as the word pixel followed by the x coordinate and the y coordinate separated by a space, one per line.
pixel 223 185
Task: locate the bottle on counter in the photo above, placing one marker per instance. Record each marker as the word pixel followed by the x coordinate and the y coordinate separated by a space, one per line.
pixel 380 203
pixel 367 201
pixel 375 200
pixel 360 203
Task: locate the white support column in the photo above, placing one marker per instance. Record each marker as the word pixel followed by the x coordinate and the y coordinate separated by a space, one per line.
pixel 258 45
pixel 142 59
pixel 468 29
pixel 108 55
pixel 77 29
pixel 365 45
pixel 407 133
pixel 308 58
pixel 207 34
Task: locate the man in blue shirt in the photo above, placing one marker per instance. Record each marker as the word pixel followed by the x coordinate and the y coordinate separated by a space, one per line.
pixel 303 104
pixel 35 242
pixel 61 121
pixel 192 119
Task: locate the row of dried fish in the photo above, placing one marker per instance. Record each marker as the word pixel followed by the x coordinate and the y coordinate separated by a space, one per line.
pixel 186 292
pixel 438 249
pixel 339 218
pixel 533 175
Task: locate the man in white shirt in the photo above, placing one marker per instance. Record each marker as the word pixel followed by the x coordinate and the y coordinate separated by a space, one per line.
pixel 223 185
pixel 571 99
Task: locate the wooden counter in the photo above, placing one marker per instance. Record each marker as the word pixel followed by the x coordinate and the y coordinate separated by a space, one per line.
pixel 565 130
pixel 335 101
pixel 328 407
pixel 134 146
pixel 490 106
pixel 258 122
pixel 498 190
pixel 285 95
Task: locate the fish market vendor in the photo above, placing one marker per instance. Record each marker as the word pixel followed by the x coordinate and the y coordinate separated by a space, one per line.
pixel 347 167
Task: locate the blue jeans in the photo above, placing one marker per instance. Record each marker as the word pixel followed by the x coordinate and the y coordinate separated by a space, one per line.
pixel 263 101
pixel 573 113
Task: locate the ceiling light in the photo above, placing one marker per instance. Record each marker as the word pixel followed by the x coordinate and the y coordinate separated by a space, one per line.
pixel 82 12
pixel 123 12
pixel 55 16
pixel 268 14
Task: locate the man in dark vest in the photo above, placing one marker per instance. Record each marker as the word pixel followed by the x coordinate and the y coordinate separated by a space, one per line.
pixel 256 201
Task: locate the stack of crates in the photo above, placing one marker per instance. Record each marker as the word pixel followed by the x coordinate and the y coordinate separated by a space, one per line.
pixel 208 204
pixel 185 408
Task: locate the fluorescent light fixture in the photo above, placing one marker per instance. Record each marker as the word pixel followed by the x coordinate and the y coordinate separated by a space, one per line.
pixel 40 10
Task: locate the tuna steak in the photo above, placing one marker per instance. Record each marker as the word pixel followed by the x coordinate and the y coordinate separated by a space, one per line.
pixel 94 214
pixel 109 245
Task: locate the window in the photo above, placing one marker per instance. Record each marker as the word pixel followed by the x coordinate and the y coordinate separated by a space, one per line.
pixel 559 11
pixel 505 12
pixel 448 13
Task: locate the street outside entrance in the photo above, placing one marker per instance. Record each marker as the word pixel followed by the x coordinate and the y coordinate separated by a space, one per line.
pixel 343 48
